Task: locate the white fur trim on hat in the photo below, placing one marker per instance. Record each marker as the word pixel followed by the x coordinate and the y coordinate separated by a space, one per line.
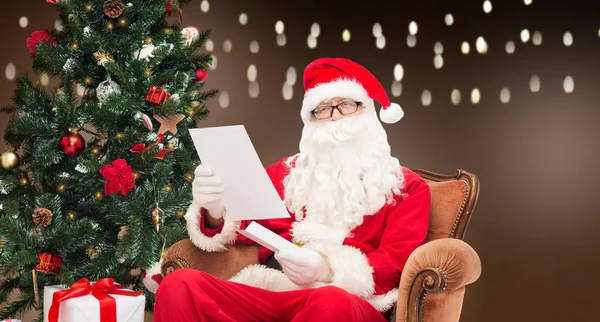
pixel 216 243
pixel 391 114
pixel 340 88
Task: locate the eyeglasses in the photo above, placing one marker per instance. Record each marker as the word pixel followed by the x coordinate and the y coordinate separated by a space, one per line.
pixel 324 112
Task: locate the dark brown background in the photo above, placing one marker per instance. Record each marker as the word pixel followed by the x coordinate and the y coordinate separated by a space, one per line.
pixel 535 226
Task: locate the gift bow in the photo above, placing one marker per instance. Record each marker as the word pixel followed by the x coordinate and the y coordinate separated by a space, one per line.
pixel 100 290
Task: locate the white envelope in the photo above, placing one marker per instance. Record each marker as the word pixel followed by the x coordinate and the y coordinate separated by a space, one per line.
pixel 248 191
pixel 87 308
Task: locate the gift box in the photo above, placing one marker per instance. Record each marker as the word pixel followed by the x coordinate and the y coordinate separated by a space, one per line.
pixel 157 95
pixel 103 301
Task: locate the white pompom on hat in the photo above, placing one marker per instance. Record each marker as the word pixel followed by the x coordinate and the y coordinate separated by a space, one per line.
pixel 326 78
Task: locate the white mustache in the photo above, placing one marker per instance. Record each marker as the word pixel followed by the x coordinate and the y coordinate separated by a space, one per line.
pixel 336 132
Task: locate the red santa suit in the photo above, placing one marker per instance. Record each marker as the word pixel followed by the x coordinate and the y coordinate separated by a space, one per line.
pixel 366 261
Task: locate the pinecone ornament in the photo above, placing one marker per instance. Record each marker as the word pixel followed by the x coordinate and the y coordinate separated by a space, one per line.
pixel 113 8
pixel 42 217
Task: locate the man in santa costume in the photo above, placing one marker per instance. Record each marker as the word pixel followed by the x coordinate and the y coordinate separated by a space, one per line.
pixel 355 211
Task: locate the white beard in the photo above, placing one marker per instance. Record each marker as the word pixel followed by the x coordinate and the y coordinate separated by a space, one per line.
pixel 344 171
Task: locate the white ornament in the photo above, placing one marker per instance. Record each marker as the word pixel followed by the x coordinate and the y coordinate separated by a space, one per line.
pixel 87 31
pixel 81 168
pixel 130 4
pixel 144 119
pixel 146 52
pixel 190 34
pixel 175 98
pixel 106 88
pixel 69 64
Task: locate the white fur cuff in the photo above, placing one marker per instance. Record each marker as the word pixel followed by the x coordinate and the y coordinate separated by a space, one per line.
pixel 216 243
pixel 351 269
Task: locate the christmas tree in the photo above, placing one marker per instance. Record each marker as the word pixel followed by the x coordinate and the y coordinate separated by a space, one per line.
pixel 98 175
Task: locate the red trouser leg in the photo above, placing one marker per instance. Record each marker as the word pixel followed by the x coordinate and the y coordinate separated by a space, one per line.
pixel 192 296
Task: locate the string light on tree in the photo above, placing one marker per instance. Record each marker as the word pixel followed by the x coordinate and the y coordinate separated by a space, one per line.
pixel 71 216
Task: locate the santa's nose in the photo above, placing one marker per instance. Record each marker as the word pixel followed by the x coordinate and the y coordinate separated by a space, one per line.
pixel 336 115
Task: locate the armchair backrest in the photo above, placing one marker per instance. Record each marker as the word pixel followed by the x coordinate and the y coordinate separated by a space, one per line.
pixel 453 199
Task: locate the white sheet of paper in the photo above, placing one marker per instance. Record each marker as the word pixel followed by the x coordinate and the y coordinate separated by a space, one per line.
pixel 267 238
pixel 248 191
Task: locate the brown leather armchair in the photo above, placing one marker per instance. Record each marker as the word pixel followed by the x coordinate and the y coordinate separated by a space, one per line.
pixel 433 282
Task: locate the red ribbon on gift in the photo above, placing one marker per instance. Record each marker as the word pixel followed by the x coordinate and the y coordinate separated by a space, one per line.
pixel 100 290
pixel 157 95
pixel 48 263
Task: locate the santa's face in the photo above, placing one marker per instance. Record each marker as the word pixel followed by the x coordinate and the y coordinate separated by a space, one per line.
pixel 344 170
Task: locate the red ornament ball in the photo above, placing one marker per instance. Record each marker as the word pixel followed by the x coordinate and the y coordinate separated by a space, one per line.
pixel 201 75
pixel 72 144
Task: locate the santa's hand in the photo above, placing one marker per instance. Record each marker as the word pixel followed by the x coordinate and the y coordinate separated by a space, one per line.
pixel 207 191
pixel 304 266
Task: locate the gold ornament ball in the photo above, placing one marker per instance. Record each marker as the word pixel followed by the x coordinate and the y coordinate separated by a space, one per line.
pixel 171 145
pixel 23 181
pixel 71 216
pixel 95 151
pixel 119 135
pixel 191 111
pixel 88 7
pixel 168 188
pixel 122 22
pixel 74 46
pixel 88 81
pixel 180 213
pixel 136 175
pixel 148 40
pixel 110 25
pixel 167 31
pixel 10 160
pixel 99 195
pixel 61 187
pixel 189 177
pixel 148 72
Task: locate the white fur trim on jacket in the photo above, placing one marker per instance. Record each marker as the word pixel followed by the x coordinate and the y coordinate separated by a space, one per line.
pixel 216 243
pixel 271 279
pixel 305 232
pixel 267 278
pixel 351 269
pixel 339 88
pixel 385 301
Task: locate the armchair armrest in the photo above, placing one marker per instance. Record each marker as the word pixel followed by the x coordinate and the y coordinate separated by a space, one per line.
pixel 443 266
pixel 225 264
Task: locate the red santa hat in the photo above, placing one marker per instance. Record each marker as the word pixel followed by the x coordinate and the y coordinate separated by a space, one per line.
pixel 326 78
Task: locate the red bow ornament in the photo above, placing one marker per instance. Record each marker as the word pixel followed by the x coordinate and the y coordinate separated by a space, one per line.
pixel 100 290
pixel 141 148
